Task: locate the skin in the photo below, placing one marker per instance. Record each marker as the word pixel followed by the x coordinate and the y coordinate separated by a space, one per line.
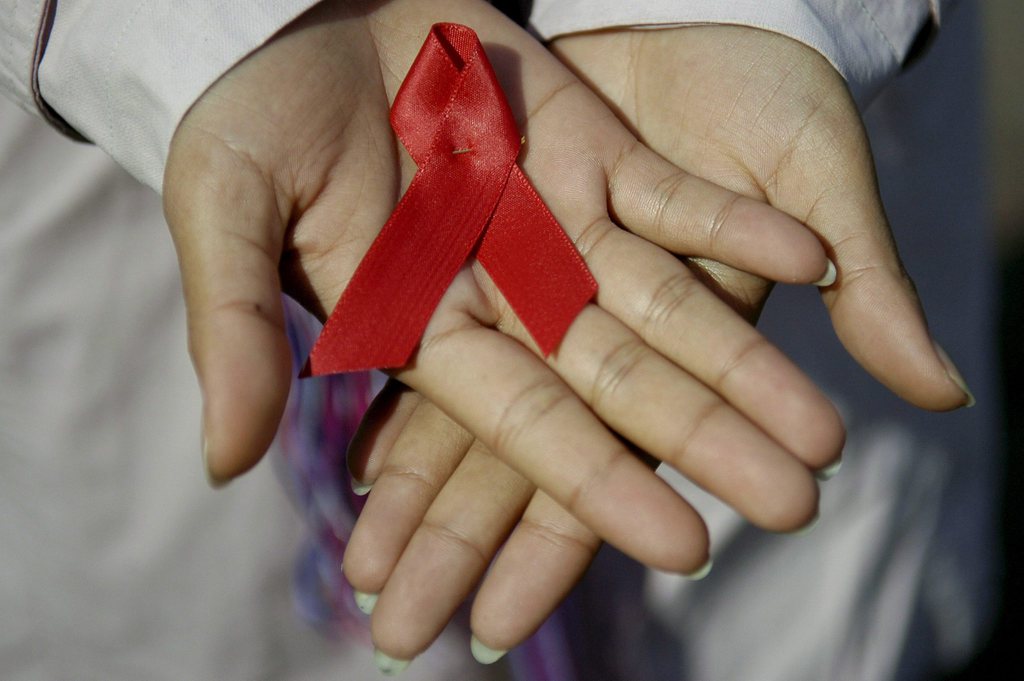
pixel 751 111
pixel 283 172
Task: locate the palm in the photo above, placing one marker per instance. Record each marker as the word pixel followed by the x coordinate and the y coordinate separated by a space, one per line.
pixel 751 111
pixel 716 108
pixel 769 118
pixel 280 177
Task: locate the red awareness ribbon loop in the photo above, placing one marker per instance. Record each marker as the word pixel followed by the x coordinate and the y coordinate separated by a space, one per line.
pixel 452 116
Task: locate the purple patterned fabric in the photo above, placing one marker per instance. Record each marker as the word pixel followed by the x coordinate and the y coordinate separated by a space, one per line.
pixel 321 417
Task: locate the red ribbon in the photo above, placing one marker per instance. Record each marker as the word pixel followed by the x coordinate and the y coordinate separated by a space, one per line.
pixel 452 116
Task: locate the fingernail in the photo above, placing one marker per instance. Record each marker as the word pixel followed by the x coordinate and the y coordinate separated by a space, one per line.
pixel 702 572
pixel 213 481
pixel 954 374
pixel 389 666
pixel 829 472
pixel 482 653
pixel 806 529
pixel 360 488
pixel 829 278
pixel 365 602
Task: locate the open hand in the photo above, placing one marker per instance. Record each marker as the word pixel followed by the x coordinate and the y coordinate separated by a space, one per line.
pixel 753 111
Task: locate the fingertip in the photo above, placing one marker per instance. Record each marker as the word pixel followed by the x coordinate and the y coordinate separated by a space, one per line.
pixel 807 527
pixel 824 436
pixel 402 632
pixel 360 489
pixel 483 653
pixel 795 508
pixel 390 666
pixel 543 558
pixel 775 245
pixel 701 572
pixel 211 478
pixel 830 471
pixel 660 528
pixel 245 393
pixel 829 277
pixel 370 558
pixel 879 319
pixel 379 429
pixel 683 549
pixel 955 377
pixel 366 602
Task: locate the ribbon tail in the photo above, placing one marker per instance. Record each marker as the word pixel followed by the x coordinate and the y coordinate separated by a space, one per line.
pixel 381 316
pixel 534 264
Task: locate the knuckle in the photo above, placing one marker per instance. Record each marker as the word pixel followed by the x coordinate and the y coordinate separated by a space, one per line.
pixel 672 293
pixel 584 488
pixel 741 356
pixel 623 160
pixel 434 342
pixel 420 482
pixel 591 485
pixel 669 191
pixel 264 312
pixel 718 222
pixel 592 235
pixel 615 369
pixel 792 509
pixel 559 536
pixel 455 541
pixel 534 402
pixel 689 439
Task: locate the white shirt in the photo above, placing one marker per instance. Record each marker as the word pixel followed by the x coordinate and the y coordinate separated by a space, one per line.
pixel 124 73
pixel 117 561
pixel 111 542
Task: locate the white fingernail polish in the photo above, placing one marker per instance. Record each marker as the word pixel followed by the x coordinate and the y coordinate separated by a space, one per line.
pixel 482 653
pixel 360 488
pixel 954 374
pixel 829 278
pixel 829 472
pixel 365 602
pixel 806 529
pixel 702 572
pixel 388 665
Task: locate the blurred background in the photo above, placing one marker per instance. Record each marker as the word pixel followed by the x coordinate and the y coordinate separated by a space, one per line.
pixel 1004 86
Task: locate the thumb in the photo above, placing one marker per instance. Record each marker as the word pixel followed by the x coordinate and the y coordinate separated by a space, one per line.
pixel 228 232
pixel 873 304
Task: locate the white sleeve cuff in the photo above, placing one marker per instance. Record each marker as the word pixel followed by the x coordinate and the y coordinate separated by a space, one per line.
pixel 865 40
pixel 22 32
pixel 124 73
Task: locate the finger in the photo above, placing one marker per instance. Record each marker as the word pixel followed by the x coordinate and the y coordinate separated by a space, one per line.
pixel 380 428
pixel 677 210
pixel 745 293
pixel 448 554
pixel 874 305
pixel 795 138
pixel 677 419
pixel 533 422
pixel 543 558
pixel 666 412
pixel 227 232
pixel 422 460
pixel 878 317
pixel 822 437
pixel 660 301
pixel 691 216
